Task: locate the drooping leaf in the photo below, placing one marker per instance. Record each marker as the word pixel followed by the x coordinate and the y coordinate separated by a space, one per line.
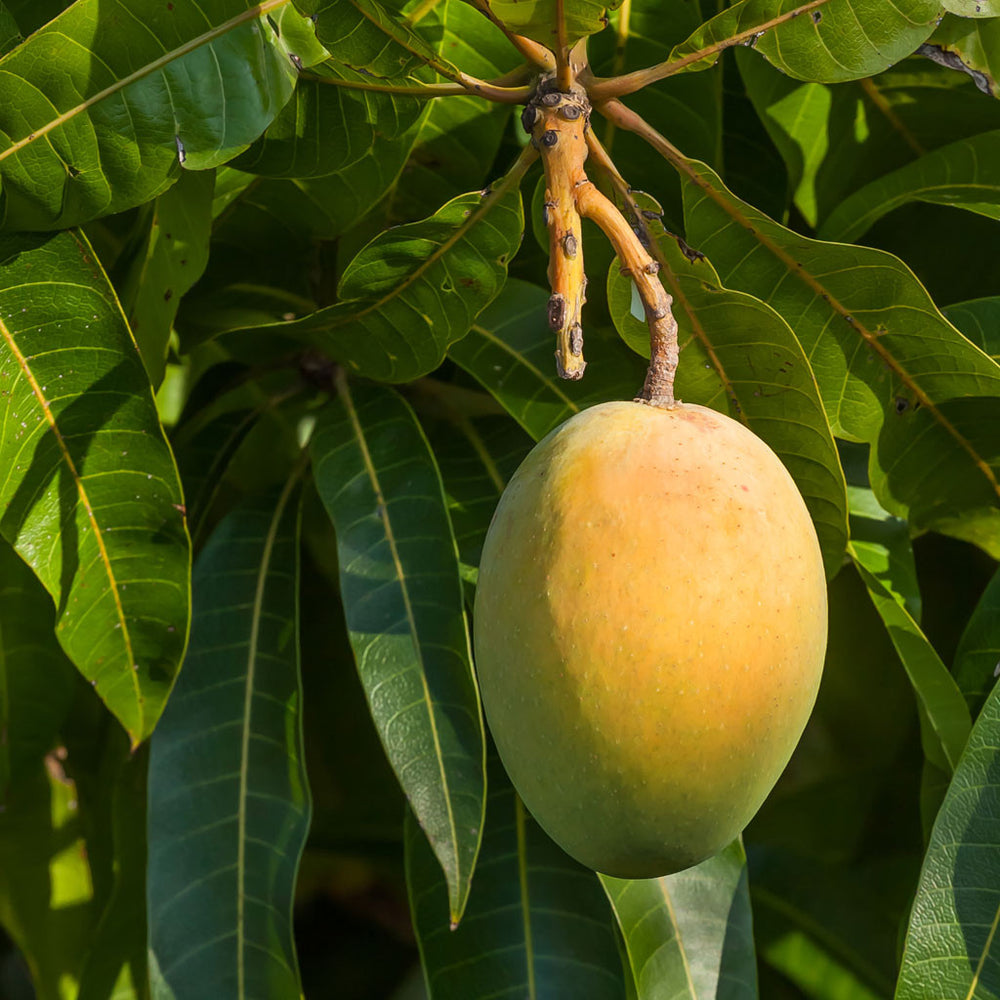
pixel 90 129
pixel 79 433
pixel 172 260
pixel 891 370
pixel 509 351
pixel 228 798
pixel 414 289
pixel 690 935
pixel 964 174
pixel 952 946
pixel 977 658
pixel 537 923
pixel 740 357
pixel 402 597
pixel 36 678
pixel 537 18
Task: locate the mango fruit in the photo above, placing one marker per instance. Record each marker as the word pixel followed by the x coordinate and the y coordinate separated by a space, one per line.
pixel 650 627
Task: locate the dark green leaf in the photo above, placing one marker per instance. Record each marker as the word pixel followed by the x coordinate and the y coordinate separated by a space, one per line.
pixel 979 320
pixel 509 351
pixel 952 946
pixel 891 369
pixel 977 658
pixel 10 34
pixel 740 357
pixel 537 923
pixel 537 18
pixel 80 435
pixel 228 799
pixel 415 289
pixel 690 935
pixel 106 123
pixel 402 598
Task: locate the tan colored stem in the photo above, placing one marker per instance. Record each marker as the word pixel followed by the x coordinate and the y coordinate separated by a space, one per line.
pixel 605 89
pixel 536 53
pixel 463 85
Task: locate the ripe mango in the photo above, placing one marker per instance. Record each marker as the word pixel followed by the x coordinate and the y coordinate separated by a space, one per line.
pixel 650 627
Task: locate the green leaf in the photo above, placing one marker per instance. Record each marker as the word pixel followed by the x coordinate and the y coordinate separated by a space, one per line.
pixel 10 34
pixel 99 126
pixel 979 320
pixel 971 46
pixel 690 935
pixel 978 655
pixel 402 598
pixel 740 357
pixel 228 799
pixel 537 923
pixel 537 18
pixel 509 351
pixel 414 289
pixel 173 259
pixel 965 175
pixel 937 693
pixel 79 435
pixel 973 8
pixel 891 370
pixel 36 679
pixel 952 946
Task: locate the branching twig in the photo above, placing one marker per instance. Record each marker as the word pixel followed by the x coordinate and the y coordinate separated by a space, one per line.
pixel 491 90
pixel 536 53
pixel 564 72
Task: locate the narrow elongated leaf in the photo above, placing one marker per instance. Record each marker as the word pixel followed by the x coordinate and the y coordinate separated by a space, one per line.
pixel 402 598
pixel 952 945
pixel 88 488
pixel 414 289
pixel 977 658
pixel 965 174
pixel 537 18
pixel 739 357
pixel 937 693
pixel 509 351
pixel 537 923
pixel 36 678
pixel 891 369
pixel 86 130
pixel 228 799
pixel 690 935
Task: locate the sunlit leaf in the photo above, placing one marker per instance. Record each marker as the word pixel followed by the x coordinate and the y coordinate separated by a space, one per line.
pixel 969 46
pixel 537 923
pixel 228 799
pixel 537 18
pixel 107 123
pixel 952 946
pixel 79 434
pixel 689 935
pixel 402 597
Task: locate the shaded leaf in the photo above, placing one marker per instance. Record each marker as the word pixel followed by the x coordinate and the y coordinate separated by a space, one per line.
pixel 891 370
pixel 740 357
pixel 414 289
pixel 228 799
pixel 85 131
pixel 952 948
pixel 969 46
pixel 510 350
pixel 537 18
pixel 537 923
pixel 690 935
pixel 10 34
pixel 979 320
pixel 964 175
pixel 78 433
pixel 978 655
pixel 402 598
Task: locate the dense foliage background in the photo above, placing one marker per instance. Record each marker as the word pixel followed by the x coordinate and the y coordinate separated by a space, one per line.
pixel 273 304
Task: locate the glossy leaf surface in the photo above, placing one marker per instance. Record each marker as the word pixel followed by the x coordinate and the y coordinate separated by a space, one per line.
pixel 402 597
pixel 228 799
pixel 78 433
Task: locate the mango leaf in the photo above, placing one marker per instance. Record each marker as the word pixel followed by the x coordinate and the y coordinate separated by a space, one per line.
pixel 826 41
pixel 891 370
pixel 402 597
pixel 952 948
pixel 938 696
pixel 689 935
pixel 79 432
pixel 964 174
pixel 978 655
pixel 172 260
pixel 537 923
pixel 969 46
pixel 509 351
pixel 739 357
pixel 228 799
pixel 414 289
pixel 86 131
pixel 537 18
pixel 979 320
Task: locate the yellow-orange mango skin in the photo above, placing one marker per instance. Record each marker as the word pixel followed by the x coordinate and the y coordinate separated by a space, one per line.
pixel 650 627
